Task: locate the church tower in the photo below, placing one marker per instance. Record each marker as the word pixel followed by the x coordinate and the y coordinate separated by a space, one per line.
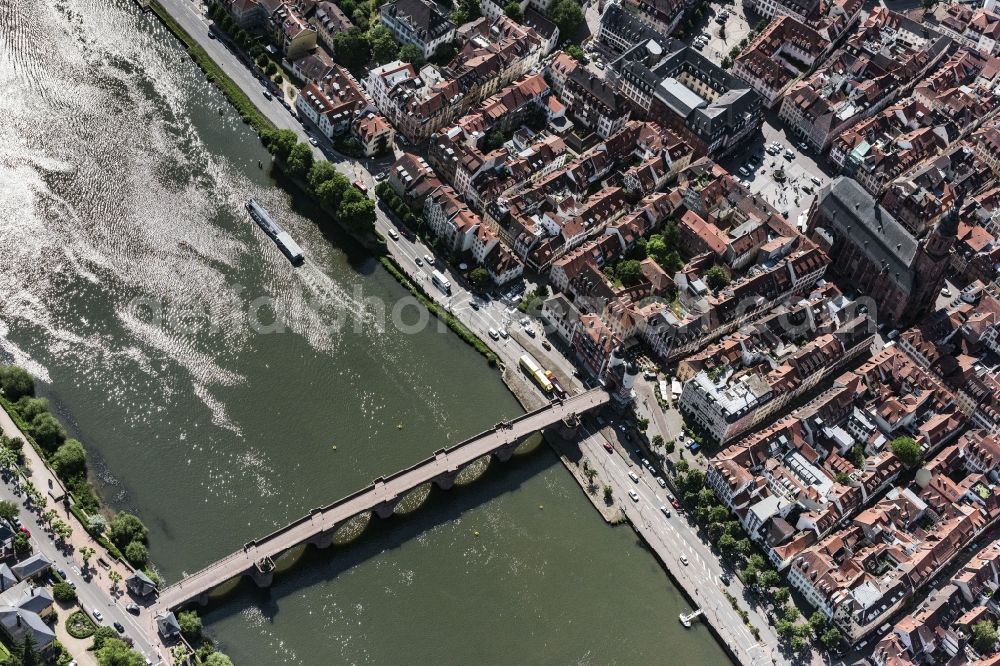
pixel 931 263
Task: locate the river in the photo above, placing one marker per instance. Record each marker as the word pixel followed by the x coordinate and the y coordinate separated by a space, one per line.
pixel 221 393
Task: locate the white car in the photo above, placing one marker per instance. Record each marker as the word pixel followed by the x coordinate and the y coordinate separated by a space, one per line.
pixel 661 482
pixel 634 495
pixel 313 141
pixel 665 510
pixel 684 560
pixel 634 477
pixel 98 615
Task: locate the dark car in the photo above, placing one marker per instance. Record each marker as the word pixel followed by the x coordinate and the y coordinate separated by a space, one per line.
pixel 608 447
pixel 674 503
pixel 119 627
pixel 474 305
pixel 132 608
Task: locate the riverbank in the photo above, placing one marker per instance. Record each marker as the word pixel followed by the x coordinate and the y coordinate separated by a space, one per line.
pixel 240 100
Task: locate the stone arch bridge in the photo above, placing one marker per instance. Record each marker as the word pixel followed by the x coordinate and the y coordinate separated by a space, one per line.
pixel 382 497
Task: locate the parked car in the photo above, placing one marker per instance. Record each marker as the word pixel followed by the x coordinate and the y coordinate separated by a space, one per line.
pixel 313 141
pixel 546 346
pixel 119 627
pixel 674 503
pixel 634 477
pixel 267 94
pixel 98 615
pixel 661 482
pixel 132 608
pixel 665 510
pixel 493 334
pixel 816 181
pixel 361 186
pixel 473 305
pixel 634 495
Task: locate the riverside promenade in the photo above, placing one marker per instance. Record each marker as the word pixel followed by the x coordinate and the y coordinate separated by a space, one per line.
pixel 319 527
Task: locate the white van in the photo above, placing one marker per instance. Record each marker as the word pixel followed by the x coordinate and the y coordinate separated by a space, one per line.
pixel 493 334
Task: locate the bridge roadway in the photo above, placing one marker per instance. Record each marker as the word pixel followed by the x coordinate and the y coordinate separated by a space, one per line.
pixel 379 497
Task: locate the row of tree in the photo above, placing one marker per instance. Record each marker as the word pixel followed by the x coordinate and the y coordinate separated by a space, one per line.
pixel 68 459
pixel 347 204
pixel 735 546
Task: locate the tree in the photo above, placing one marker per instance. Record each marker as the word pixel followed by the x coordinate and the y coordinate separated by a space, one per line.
pixel 717 277
pixel 126 528
pixel 769 578
pixel 782 595
pixel 468 10
pixel 356 211
pixel 513 11
pixel 63 592
pixel 830 638
pixel 413 55
pixel 716 531
pixel 907 450
pixel 217 659
pixel 8 457
pixel 669 447
pixel 751 576
pixel 137 554
pixel 568 16
pixel 48 432
pixel 842 478
pixel 575 52
pixel 27 652
pixel 785 629
pixel 817 622
pixel 727 62
pixel 682 466
pixel 984 637
pixel 351 48
pixel 115 578
pixel 320 172
pixel 115 652
pixel 300 160
pixel 608 493
pixel 21 544
pixel 70 460
pixel 630 272
pixel 798 644
pixel 790 613
pixel 16 382
pixel 280 143
pixel 190 625
pixel 29 407
pixel 8 510
pixel 727 544
pixel 479 277
pixel 331 192
pixel 383 46
pixel 86 552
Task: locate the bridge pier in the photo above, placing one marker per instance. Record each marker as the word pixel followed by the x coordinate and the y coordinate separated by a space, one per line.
pixel 203 599
pixel 445 481
pixel 504 453
pixel 262 572
pixel 568 427
pixel 387 508
pixel 322 540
